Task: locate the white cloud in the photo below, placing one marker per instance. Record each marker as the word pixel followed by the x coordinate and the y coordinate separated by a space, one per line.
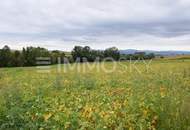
pixel 63 23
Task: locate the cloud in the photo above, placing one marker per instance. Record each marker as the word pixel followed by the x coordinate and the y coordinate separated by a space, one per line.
pixel 55 23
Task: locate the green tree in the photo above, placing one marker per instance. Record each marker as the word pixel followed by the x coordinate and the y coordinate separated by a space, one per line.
pixel 31 53
pixel 17 59
pixel 5 57
pixel 112 52
pixel 77 52
pixel 55 55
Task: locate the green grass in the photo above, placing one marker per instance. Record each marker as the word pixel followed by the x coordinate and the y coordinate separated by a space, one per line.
pixel 179 57
pixel 123 99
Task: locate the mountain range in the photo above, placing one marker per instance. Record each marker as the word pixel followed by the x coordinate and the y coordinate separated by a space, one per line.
pixel 164 53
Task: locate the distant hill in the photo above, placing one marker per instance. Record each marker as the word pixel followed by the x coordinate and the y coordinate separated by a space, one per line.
pixel 164 53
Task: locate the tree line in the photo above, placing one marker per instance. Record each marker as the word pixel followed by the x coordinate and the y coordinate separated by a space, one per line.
pixel 28 56
pixel 138 56
pixel 82 53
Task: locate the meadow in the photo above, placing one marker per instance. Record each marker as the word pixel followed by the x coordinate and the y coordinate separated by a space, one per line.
pixel 134 97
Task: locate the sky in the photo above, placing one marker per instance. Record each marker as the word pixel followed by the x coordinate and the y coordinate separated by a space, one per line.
pixel 100 24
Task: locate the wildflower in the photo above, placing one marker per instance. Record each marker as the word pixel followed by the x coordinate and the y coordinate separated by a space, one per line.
pixel 67 125
pixel 105 127
pixel 61 108
pixel 87 112
pixel 47 116
pixel 154 122
pixel 130 128
pixel 145 113
pixel 162 92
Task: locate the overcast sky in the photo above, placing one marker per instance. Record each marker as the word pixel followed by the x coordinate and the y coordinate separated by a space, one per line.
pixel 126 24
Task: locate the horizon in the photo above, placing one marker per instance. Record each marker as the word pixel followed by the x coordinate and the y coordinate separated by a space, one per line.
pixel 127 49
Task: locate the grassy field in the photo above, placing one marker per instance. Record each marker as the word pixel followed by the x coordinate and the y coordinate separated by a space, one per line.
pixel 179 57
pixel 134 97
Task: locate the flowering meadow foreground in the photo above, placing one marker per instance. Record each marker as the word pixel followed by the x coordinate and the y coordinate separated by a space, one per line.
pixel 137 97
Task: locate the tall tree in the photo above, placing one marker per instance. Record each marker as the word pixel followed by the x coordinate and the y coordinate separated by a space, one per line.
pixel 31 53
pixel 112 52
pixel 77 52
pixel 55 55
pixel 17 59
pixel 5 57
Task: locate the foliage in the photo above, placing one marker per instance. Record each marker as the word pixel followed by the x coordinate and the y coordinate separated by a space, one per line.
pixel 138 56
pixel 5 56
pixel 112 52
pixel 31 53
pixel 79 53
pixel 55 55
pixel 27 57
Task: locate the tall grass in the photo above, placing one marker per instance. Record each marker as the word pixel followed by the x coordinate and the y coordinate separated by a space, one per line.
pixel 122 99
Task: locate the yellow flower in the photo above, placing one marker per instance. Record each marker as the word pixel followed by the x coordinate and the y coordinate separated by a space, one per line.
pixel 106 115
pixel 145 113
pixel 33 117
pixel 67 125
pixel 47 116
pixel 87 112
pixel 61 108
pixel 154 122
pixel 105 127
pixel 130 128
pixel 125 103
pixel 162 92
pixel 102 114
